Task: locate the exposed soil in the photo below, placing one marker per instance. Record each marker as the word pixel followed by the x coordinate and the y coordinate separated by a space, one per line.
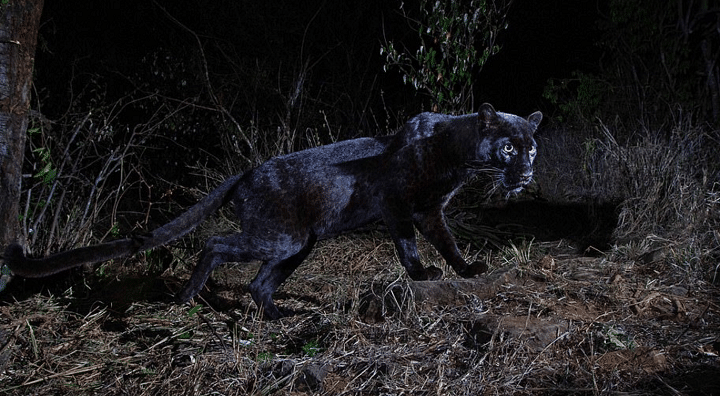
pixel 547 319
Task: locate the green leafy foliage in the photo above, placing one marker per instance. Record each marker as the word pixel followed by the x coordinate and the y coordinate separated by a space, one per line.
pixel 115 230
pixel 194 310
pixel 456 39
pixel 615 338
pixel 580 97
pixel 265 356
pixel 47 172
pixel 311 348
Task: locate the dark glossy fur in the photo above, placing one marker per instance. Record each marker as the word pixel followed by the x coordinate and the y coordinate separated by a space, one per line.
pixel 286 204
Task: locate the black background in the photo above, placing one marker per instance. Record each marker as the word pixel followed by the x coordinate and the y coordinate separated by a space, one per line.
pixel 80 38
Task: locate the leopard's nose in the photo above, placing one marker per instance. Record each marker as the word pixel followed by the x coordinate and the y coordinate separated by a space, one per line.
pixel 526 177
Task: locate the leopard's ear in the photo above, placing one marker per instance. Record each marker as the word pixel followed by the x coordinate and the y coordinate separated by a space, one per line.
pixel 535 118
pixel 487 115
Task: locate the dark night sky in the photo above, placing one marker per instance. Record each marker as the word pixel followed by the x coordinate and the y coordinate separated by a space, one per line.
pixel 547 39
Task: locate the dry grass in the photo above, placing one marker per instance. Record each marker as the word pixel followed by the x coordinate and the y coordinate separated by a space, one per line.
pixel 666 184
pixel 562 325
pixel 643 318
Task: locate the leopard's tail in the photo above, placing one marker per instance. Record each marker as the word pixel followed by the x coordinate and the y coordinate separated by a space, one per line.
pixel 21 265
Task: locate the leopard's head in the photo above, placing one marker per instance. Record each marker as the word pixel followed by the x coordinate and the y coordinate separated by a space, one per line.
pixel 507 146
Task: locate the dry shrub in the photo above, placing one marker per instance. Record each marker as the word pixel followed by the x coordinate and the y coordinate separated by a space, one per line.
pixel 665 181
pixel 669 184
pixel 78 177
pixel 91 177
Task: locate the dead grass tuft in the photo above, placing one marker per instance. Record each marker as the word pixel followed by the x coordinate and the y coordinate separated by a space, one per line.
pixel 665 181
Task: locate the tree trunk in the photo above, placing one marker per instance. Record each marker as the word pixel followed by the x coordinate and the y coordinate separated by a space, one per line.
pixel 19 23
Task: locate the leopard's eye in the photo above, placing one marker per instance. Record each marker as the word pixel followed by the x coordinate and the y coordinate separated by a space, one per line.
pixel 508 148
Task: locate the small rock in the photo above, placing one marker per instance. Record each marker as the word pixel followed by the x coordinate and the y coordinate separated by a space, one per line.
pixel 678 291
pixel 311 378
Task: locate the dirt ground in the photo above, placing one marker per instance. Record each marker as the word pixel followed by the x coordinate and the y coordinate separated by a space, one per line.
pixel 545 320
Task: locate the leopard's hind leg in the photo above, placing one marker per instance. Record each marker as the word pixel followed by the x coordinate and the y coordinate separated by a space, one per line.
pixel 217 250
pixel 273 273
pixel 280 254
